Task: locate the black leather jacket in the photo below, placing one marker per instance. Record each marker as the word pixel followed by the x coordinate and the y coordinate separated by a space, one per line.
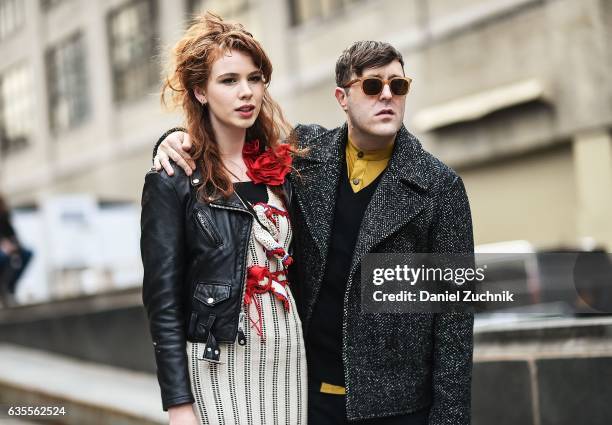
pixel 194 256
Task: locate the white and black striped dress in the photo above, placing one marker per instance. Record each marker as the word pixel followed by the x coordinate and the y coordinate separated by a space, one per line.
pixel 264 381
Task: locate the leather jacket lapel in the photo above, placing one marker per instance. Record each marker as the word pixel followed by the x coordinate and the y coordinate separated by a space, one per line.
pixel 231 203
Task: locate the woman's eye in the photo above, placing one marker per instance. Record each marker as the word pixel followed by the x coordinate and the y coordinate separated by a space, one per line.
pixel 255 78
pixel 228 81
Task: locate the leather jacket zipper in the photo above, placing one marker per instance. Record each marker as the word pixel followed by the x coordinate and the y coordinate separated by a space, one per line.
pixel 244 263
pixel 241 336
pixel 205 225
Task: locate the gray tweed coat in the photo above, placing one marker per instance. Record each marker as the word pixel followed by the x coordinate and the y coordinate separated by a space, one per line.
pixel 393 363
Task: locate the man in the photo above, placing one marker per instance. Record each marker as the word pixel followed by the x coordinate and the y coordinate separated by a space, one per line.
pixel 364 187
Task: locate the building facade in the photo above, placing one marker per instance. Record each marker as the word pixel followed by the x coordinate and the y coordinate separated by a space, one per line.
pixel 514 94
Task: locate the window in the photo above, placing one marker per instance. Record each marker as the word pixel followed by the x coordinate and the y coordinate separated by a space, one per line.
pixel 47 5
pixel 305 10
pixel 15 108
pixel 11 16
pixel 67 82
pixel 132 33
pixel 223 8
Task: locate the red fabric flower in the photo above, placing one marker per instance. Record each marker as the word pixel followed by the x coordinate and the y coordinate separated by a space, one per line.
pixel 269 167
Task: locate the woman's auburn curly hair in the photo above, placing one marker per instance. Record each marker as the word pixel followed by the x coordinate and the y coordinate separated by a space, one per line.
pixel 207 39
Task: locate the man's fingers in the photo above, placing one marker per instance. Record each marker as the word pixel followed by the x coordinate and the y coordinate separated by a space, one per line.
pixel 181 142
pixel 167 166
pixel 186 165
pixel 157 164
pixel 163 159
pixel 180 161
pixel 187 148
pixel 186 142
pixel 173 146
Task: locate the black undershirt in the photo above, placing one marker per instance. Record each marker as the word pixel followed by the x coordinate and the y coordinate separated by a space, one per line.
pixel 252 192
pixel 324 338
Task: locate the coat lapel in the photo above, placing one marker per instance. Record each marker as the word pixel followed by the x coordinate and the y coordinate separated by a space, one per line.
pixel 316 186
pixel 398 198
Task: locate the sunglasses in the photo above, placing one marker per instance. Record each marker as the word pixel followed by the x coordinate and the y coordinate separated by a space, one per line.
pixel 373 86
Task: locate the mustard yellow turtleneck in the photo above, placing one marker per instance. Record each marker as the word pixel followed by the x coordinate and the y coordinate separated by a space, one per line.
pixel 364 166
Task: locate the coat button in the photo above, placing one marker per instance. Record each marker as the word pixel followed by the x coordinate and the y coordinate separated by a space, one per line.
pixel 210 300
pixel 356 181
pixel 360 154
pixel 196 181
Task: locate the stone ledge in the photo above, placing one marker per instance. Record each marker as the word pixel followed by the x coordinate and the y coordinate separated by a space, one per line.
pixel 90 393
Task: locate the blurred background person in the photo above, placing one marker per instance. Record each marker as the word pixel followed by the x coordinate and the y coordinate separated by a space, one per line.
pixel 13 257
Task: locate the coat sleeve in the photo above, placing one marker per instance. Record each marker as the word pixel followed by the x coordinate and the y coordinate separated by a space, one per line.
pixel 162 248
pixel 453 331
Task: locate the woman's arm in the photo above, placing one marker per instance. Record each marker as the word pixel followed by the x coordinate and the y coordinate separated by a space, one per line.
pixel 162 245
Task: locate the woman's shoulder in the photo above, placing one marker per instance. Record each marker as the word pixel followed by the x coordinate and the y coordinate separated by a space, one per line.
pixel 161 182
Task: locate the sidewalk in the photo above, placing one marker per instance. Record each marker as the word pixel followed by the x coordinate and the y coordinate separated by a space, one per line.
pixel 90 393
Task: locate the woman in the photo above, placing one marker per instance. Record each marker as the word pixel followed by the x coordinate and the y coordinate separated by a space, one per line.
pixel 225 329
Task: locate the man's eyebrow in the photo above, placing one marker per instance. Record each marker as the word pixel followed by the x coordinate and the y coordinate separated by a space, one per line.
pixel 380 76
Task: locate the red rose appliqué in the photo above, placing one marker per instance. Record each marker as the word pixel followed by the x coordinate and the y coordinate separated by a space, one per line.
pixel 268 167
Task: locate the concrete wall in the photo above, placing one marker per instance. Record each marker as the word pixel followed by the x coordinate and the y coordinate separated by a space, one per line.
pixel 110 329
pixel 546 373
pixel 512 199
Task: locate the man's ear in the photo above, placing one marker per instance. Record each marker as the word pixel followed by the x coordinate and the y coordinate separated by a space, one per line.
pixel 199 94
pixel 341 97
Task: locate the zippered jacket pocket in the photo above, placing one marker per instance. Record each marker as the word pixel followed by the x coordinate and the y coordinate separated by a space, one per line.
pixel 207 227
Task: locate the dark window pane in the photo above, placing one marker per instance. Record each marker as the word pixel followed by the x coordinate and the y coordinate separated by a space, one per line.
pixel 47 5
pixel 132 33
pixel 303 11
pixel 224 8
pixel 67 82
pixel 15 108
pixel 11 16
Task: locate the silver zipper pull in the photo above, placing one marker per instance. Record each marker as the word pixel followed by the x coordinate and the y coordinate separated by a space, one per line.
pixel 241 336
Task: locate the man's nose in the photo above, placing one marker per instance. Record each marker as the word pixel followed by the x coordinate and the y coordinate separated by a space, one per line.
pixel 386 94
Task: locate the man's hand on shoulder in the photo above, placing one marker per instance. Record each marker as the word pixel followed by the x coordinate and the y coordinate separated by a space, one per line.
pixel 176 147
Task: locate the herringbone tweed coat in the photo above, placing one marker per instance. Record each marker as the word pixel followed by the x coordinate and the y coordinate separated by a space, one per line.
pixel 393 363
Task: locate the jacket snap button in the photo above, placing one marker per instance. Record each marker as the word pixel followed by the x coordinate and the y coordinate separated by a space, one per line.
pixel 360 154
pixel 355 182
pixel 210 300
pixel 196 181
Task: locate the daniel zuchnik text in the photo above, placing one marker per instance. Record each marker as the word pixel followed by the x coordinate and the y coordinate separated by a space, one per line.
pixel 464 296
pixel 423 274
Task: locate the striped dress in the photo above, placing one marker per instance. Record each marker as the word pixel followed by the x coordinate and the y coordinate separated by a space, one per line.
pixel 264 381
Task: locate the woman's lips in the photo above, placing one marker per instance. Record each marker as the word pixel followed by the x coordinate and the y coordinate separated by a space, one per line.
pixel 246 111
